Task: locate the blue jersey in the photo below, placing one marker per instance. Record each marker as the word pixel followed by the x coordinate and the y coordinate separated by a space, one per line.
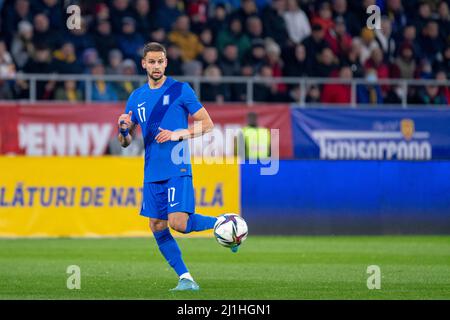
pixel 167 107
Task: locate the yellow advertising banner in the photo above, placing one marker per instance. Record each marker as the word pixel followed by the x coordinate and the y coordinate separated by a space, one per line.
pixel 96 196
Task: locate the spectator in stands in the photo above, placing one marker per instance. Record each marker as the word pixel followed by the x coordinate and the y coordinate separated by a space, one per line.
pixel 338 93
pixel 7 67
pixel 256 56
pixel 125 88
pixel 187 41
pixel 376 62
pixel 167 14
pixel 312 94
pixel 296 65
pixel 104 40
pixel 353 59
pixel 406 54
pixel 385 40
pixel 248 8
pixel 410 36
pixel 20 11
pixel 206 37
pixel 22 47
pixel 340 9
pixel 89 58
pixel 209 57
pixel 21 88
pixel 230 65
pixel 444 21
pixel 102 12
pixel 441 76
pixel 444 65
pixel 314 44
pixel 66 59
pixel 274 61
pixel 198 13
pixel 431 95
pixel 338 39
pixel 246 71
pixel 214 89
pixel 234 35
pixel 424 70
pixel 397 16
pixel 144 17
pixel 324 16
pixel 119 10
pixel 369 93
pixel 254 28
pixel 42 62
pixel 174 68
pixel 54 10
pixel 327 64
pixel 229 61
pixel 130 42
pixel 6 92
pixel 230 5
pixel 192 68
pixel 115 59
pixel 43 35
pixel 430 42
pixel 81 38
pixel 406 61
pixel 424 15
pixel 368 44
pixel 266 90
pixel 297 23
pixel 69 92
pixel 158 35
pixel 218 21
pixel 101 90
pixel 274 24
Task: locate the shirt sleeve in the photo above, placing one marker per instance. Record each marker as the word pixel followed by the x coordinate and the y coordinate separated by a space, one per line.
pixel 130 107
pixel 190 100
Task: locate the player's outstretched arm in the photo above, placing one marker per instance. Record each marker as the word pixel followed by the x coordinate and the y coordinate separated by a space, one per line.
pixel 126 129
pixel 202 125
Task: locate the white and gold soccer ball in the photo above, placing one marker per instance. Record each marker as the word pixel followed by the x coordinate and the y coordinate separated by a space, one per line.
pixel 230 230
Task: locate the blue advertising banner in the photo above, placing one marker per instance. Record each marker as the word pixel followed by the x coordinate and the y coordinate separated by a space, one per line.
pixel 371 134
pixel 348 197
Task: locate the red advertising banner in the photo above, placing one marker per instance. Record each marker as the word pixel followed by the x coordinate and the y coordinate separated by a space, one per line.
pixel 89 129
pixel 9 136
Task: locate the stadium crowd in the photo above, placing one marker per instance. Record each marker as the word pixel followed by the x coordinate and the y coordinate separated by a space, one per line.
pixel 263 38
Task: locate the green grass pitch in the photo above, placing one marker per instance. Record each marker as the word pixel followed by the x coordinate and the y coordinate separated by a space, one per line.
pixel 332 267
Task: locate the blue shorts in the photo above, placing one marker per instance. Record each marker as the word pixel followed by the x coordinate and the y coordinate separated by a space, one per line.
pixel 163 197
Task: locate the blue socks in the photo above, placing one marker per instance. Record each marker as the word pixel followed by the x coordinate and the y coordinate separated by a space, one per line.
pixel 170 250
pixel 169 247
pixel 197 222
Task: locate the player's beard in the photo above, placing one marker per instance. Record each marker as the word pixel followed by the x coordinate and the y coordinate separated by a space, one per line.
pixel 155 78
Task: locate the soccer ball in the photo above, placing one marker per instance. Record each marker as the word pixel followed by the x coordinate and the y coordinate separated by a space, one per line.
pixel 230 230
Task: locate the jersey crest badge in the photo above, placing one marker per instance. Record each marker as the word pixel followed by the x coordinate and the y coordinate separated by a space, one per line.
pixel 166 100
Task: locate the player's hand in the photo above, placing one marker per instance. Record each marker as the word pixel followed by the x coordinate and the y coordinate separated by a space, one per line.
pixel 166 135
pixel 124 121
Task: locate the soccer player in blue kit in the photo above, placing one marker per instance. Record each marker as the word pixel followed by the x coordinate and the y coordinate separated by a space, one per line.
pixel 161 107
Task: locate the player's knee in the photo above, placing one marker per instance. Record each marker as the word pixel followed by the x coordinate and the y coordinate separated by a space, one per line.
pixel 157 225
pixel 178 225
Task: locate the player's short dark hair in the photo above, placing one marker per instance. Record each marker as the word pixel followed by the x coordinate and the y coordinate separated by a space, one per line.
pixel 153 47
